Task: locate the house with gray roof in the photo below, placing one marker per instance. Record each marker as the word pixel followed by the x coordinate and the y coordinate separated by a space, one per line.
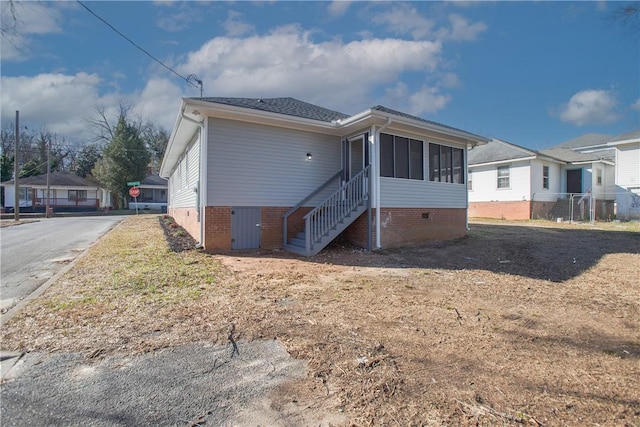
pixel 593 176
pixel 617 157
pixel 67 193
pixel 153 194
pixel 507 181
pixel 282 173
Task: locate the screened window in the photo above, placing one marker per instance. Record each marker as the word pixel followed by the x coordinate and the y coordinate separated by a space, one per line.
pixel 23 193
pixel 401 157
pixel 446 164
pixel 545 177
pixel 470 182
pixel 598 176
pixel 503 177
pixel 77 195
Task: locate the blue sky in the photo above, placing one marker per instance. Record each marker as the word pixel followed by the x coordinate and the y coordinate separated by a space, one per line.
pixel 532 73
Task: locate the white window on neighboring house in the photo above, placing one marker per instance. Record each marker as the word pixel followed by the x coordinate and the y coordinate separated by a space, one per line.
pixel 469 181
pixel 598 176
pixel 77 195
pixel 545 177
pixel 503 177
pixel 24 193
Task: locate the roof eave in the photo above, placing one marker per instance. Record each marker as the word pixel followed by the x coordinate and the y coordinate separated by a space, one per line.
pixel 379 118
pixel 497 162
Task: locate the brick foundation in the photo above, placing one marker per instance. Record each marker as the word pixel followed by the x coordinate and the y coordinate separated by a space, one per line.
pixel 399 227
pixel 217 228
pixel 187 218
pixel 501 210
pixel 407 226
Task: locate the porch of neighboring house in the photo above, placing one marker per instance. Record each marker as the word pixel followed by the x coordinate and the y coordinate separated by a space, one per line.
pixel 60 200
pixel 153 194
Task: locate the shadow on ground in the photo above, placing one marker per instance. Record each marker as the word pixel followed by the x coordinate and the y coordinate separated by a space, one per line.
pixel 555 254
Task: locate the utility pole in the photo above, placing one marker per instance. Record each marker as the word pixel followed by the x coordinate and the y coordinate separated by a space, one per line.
pixel 48 205
pixel 16 206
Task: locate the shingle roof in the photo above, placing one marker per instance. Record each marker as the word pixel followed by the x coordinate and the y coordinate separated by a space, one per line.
pixel 153 179
pixel 496 151
pixel 409 116
pixel 568 155
pixel 586 140
pixel 58 179
pixel 634 134
pixel 288 106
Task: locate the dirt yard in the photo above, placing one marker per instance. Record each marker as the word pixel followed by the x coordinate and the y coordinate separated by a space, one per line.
pixel 527 324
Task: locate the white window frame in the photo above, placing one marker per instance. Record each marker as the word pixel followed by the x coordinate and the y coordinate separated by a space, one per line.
pixel 500 183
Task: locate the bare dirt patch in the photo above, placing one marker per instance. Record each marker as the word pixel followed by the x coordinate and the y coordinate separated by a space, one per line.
pixel 511 325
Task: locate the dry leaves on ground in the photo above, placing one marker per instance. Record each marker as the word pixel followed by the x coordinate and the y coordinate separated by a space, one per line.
pixel 510 325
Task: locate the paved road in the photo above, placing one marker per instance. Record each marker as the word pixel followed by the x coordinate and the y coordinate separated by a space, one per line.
pixel 33 252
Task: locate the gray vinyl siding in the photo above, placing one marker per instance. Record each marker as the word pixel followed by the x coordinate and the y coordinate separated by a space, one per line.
pixel 257 165
pixel 185 177
pixel 410 193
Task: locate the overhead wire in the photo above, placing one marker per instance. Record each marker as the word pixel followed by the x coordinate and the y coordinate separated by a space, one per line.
pixel 186 79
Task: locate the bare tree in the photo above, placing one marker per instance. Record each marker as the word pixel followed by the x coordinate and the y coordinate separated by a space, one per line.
pixel 103 125
pixel 9 20
pixel 628 15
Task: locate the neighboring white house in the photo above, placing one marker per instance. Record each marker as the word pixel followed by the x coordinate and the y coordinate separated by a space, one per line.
pixel 68 193
pixel 623 184
pixel 508 181
pixel 270 173
pixel 153 194
pixel 585 177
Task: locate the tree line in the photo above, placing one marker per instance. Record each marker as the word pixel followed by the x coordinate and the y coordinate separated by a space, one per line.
pixel 120 151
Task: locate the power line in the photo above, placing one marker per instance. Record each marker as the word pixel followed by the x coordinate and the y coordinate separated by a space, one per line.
pixel 189 79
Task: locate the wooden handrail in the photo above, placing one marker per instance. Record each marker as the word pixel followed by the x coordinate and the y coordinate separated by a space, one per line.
pixel 342 187
pixel 303 201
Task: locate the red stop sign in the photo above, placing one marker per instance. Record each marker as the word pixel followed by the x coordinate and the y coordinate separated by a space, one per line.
pixel 134 191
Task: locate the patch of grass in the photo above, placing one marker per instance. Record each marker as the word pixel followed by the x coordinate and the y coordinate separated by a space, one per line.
pixel 73 303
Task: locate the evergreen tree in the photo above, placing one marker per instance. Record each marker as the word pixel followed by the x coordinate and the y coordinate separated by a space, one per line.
pixel 124 159
pixel 85 160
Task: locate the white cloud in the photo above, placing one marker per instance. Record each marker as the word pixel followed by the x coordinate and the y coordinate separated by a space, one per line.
pixel 461 29
pixel 425 100
pixel 405 19
pixel 58 102
pixel 287 62
pixel 338 7
pixel 158 101
pixel 636 105
pixel 62 103
pixel 450 80
pixel 177 19
pixel 30 18
pixel 589 107
pixel 235 26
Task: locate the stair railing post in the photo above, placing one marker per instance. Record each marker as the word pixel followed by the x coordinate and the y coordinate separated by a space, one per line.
pixel 307 229
pixel 284 230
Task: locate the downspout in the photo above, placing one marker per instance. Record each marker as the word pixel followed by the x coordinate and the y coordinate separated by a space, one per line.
pixel 201 189
pixel 202 181
pixel 466 184
pixel 376 176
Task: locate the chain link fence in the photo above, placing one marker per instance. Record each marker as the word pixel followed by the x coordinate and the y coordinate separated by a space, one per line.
pixel 623 205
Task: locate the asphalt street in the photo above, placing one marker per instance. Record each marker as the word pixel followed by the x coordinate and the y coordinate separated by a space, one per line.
pixel 33 252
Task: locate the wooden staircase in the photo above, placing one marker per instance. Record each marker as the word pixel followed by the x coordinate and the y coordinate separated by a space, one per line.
pixel 331 217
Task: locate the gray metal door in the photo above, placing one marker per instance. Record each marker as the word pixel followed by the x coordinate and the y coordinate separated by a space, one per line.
pixel 245 228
